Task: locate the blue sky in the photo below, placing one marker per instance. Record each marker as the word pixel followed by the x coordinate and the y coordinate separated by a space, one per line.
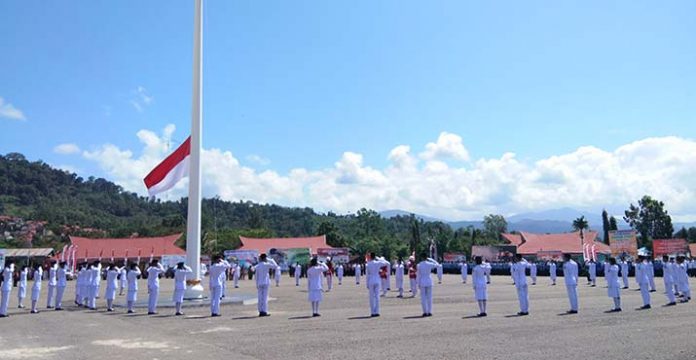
pixel 299 83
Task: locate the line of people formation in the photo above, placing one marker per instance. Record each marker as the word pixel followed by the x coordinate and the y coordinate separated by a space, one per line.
pixel 377 271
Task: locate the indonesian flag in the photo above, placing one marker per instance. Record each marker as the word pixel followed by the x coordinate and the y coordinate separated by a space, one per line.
pixel 165 175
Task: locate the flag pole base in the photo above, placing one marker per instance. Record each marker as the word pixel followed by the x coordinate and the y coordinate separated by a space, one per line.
pixel 194 292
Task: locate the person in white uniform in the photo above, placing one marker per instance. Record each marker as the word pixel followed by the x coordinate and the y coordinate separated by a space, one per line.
pixel 276 275
pixel 237 273
pixel 36 288
pixel 439 273
pixel 463 269
pixel 668 279
pixel 153 285
pixel 315 273
pixel 111 286
pixel 339 273
pixel 613 286
pixel 298 273
pixel 52 282
pixel 682 279
pixel 399 276
pixel 372 269
pixel 624 272
pixel 123 280
pixel 93 284
pixel 553 272
pixel 478 274
pixel 358 273
pixel 217 269
pixel 22 286
pixel 519 276
pixel 132 295
pixel 425 284
pixel 643 281
pixel 570 276
pixel 181 273
pixel 592 269
pixel 488 271
pixel 651 273
pixel 533 272
pixel 61 283
pixel 388 288
pixel 263 280
pixel 6 289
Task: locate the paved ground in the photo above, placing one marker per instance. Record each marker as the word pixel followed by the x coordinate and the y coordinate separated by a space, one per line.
pixel 344 331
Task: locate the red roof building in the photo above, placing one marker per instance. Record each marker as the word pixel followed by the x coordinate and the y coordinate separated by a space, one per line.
pixel 93 249
pixel 263 245
pixel 530 244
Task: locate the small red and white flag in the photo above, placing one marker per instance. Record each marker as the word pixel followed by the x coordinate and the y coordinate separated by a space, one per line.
pixel 172 169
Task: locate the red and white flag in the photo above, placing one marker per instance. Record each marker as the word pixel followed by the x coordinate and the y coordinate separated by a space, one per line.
pixel 175 167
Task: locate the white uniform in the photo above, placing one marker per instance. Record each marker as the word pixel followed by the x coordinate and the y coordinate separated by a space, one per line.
pixel 6 289
pixel 592 269
pixel 651 275
pixel 388 288
pixel 22 287
pixel 624 273
pixel 373 282
pixel 613 285
pixel 276 275
pixel 668 271
pixel 439 273
pixel 553 273
pixel 478 274
pixel 682 280
pixel 314 285
pixel 425 283
pixel 643 282
pixel 52 282
pixel 464 269
pixel 339 274
pixel 263 280
pixel 533 272
pixel 123 275
pixel 399 275
pixel 216 273
pixel 36 289
pixel 180 276
pixel 298 273
pixel 153 287
pixel 93 285
pixel 111 284
pixel 236 275
pixel 358 273
pixel 519 276
pixel 132 287
pixel 62 283
pixel 570 275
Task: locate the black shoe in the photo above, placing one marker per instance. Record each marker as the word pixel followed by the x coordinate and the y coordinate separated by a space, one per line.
pixel 671 304
pixel 593 285
pixel 653 290
pixel 424 315
pixel 617 310
pixel 374 315
pixel 430 314
pixel 522 313
pixel 109 310
pixel 59 309
pixel 625 287
pixel 20 306
pixel 49 307
pixel 482 315
pixel 4 316
pixel 35 311
pixel 179 314
pixel 131 311
pixel 644 307
pixel 315 315
pixel 151 313
pixel 214 315
pixel 571 312
pixel 264 314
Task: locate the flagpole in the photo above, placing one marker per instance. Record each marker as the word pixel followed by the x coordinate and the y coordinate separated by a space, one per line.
pixel 193 225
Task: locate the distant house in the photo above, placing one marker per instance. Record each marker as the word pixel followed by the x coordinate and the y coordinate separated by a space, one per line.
pixel 529 244
pixel 88 249
pixel 263 245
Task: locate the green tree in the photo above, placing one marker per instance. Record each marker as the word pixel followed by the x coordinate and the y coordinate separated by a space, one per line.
pixel 691 234
pixel 606 225
pixel 682 234
pixel 580 224
pixel 650 220
pixel 612 224
pixel 494 226
pixel 333 237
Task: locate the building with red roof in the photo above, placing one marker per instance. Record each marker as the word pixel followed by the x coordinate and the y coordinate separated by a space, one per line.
pixel 529 244
pixel 131 248
pixel 263 245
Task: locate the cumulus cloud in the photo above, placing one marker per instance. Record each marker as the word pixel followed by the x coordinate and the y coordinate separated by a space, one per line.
pixel 66 149
pixel 586 177
pixel 8 111
pixel 141 99
pixel 258 159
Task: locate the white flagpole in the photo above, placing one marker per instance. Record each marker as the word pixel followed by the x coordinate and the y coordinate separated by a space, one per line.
pixel 193 225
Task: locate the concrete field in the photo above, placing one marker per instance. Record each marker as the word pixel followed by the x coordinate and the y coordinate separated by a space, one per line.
pixel 345 330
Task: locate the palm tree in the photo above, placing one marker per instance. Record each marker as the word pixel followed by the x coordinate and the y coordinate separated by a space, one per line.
pixel 580 224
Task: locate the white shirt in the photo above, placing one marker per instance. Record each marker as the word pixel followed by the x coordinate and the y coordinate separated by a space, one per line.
pixel 216 272
pixel 339 271
pixel 133 279
pixel 124 275
pixel 399 272
pixel 518 272
pixel 153 276
pixel 95 275
pixel 7 278
pixel 52 275
pixel 112 278
pixel 298 270
pixel 372 270
pixel 479 274
pixel 533 269
pixel 463 268
pixel 180 277
pixel 612 276
pixel 315 275
pixel 62 276
pixel 23 278
pixel 358 270
pixel 262 270
pixel 38 273
pixel 592 268
pixel 668 272
pixel 423 271
pixel 570 272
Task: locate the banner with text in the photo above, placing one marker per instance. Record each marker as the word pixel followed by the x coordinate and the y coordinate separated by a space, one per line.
pixel 494 253
pixel 550 255
pixel 245 258
pixel 623 243
pixel 454 257
pixel 170 261
pixel 338 255
pixel 286 257
pixel 670 247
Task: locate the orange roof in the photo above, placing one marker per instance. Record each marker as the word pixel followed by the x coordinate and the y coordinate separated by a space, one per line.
pixel 692 249
pixel 530 244
pixel 263 245
pixel 158 246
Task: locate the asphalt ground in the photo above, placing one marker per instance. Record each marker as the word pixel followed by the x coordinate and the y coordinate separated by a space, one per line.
pixel 345 330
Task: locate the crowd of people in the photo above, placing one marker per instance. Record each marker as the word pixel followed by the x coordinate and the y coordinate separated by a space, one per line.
pixel 377 271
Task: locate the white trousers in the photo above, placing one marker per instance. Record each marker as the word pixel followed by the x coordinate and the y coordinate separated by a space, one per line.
pixel 357 279
pixel 414 287
pixel 153 295
pixel 572 296
pixel 4 302
pixel 262 303
pixel 297 279
pixel 49 295
pixel 236 281
pixel 426 299
pixel 523 297
pixel 645 293
pixel 215 294
pixel 60 290
pixel 340 279
pixel 374 298
pixel 92 298
pixel 652 282
pixel 464 276
pixel 669 291
pixel 624 277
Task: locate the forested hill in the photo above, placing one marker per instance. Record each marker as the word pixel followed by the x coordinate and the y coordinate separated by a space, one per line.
pixel 97 207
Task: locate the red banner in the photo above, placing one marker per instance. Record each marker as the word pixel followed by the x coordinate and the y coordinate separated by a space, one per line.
pixel 670 247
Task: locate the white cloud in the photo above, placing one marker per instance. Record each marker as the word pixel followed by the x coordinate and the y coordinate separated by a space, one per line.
pixel 8 111
pixel 663 167
pixel 258 159
pixel 141 99
pixel 66 149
